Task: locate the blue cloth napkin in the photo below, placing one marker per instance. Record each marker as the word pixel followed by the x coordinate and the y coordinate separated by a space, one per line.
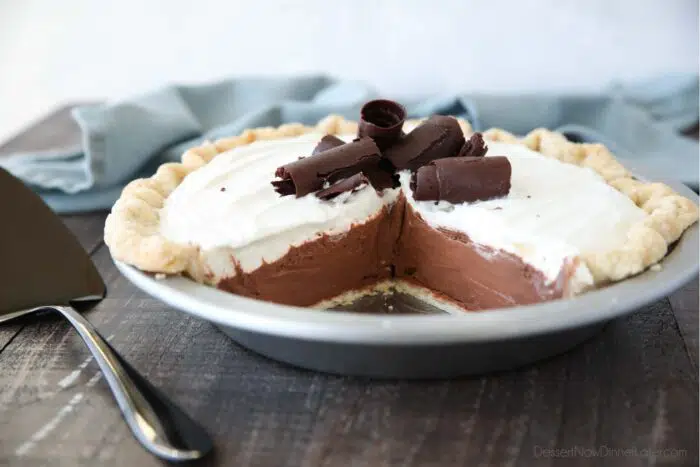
pixel 124 140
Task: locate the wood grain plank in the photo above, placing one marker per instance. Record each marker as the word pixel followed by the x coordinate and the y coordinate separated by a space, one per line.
pixel 684 303
pixel 88 228
pixel 7 333
pixel 262 413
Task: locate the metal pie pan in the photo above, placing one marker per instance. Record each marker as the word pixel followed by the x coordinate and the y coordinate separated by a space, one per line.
pixel 424 345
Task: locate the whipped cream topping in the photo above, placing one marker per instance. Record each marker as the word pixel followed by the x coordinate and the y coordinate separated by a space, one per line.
pixel 555 211
pixel 230 204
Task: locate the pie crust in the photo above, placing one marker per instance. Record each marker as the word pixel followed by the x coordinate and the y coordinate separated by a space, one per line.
pixel 133 236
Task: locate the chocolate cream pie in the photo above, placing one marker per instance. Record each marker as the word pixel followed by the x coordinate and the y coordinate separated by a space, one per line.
pixel 316 215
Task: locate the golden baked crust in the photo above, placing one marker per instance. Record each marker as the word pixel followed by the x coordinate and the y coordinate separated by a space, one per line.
pixel 133 236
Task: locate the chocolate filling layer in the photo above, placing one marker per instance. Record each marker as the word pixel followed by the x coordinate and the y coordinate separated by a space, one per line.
pixel 475 276
pixel 398 243
pixel 326 267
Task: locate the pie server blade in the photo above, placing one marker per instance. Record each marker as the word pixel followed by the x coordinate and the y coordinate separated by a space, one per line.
pixel 43 266
pixel 41 262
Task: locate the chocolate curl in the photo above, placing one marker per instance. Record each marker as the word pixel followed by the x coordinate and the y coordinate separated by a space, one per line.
pixel 436 138
pixel 352 184
pixel 474 147
pixel 326 143
pixel 382 120
pixel 307 175
pixel 382 178
pixel 425 184
pixel 462 179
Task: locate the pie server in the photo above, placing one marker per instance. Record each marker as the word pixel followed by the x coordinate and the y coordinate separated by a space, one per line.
pixel 42 266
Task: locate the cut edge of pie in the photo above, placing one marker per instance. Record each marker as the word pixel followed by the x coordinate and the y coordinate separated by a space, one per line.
pixel 133 235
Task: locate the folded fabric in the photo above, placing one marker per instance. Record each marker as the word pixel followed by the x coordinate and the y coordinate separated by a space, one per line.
pixel 124 140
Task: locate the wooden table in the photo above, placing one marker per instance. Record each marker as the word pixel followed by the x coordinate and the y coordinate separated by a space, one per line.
pixel 626 397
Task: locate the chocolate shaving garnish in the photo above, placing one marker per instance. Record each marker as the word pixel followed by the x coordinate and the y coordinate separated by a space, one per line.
pixel 474 147
pixel 307 175
pixel 381 178
pixel 284 187
pixel 382 120
pixel 352 184
pixel 326 143
pixel 436 138
pixel 462 179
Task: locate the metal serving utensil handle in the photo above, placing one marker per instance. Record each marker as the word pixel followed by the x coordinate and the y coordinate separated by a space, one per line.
pixel 161 427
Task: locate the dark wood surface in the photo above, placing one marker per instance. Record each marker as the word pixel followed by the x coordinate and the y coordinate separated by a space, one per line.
pixel 628 397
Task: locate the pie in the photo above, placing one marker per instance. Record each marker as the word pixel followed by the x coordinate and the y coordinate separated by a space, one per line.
pixel 316 215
